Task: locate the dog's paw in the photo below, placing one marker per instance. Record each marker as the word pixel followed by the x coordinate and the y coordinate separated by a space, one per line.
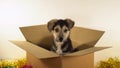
pixel 59 52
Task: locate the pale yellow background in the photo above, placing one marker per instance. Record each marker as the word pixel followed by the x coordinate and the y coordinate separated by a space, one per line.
pixel 96 14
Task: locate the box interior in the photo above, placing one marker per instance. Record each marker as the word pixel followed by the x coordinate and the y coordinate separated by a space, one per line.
pixel 40 36
pixel 39 40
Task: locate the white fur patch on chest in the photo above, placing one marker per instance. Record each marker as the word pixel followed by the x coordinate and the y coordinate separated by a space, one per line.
pixel 59 45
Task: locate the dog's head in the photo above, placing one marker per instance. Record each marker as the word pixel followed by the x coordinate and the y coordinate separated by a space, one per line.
pixel 60 29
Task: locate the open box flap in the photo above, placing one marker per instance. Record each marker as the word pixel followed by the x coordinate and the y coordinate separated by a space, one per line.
pixel 39 39
pixel 82 36
pixel 42 53
pixel 40 35
pixel 86 51
pixel 38 52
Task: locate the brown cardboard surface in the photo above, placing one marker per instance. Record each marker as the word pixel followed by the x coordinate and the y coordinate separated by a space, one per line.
pixel 35 50
pixel 44 63
pixel 40 35
pixel 39 39
pixel 86 51
pixel 82 36
pixel 86 61
pixel 42 53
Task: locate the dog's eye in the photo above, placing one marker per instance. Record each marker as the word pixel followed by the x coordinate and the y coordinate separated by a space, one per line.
pixel 65 30
pixel 56 30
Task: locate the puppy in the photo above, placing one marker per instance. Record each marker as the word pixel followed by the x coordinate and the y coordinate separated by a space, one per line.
pixel 61 35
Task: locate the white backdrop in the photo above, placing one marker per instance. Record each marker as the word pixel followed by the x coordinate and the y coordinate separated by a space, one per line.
pixel 96 14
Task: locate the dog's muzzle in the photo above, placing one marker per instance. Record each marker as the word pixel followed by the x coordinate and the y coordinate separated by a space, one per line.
pixel 61 39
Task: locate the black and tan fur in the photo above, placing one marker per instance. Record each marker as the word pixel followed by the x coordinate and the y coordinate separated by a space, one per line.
pixel 61 35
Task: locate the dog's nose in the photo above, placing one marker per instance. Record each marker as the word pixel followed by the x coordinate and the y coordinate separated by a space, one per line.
pixel 60 39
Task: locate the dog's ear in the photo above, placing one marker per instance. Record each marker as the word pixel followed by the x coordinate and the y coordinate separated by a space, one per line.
pixel 51 24
pixel 70 23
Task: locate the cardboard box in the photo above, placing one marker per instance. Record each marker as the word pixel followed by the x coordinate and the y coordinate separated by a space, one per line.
pixel 39 40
